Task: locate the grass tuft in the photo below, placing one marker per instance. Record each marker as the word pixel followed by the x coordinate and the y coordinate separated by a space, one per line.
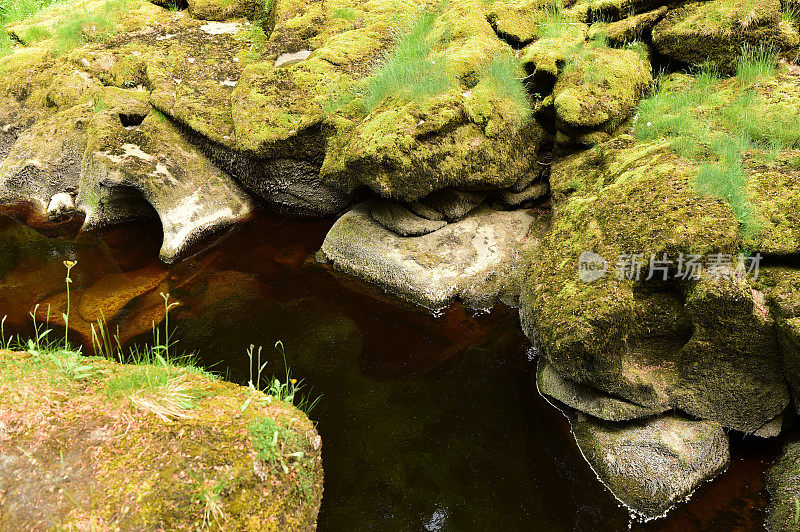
pixel 554 24
pixel 756 63
pixel 411 72
pixel 714 123
pixel 506 76
pixel 288 391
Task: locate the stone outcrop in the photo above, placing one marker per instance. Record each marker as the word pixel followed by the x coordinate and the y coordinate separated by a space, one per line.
pixel 714 32
pixel 86 442
pixel 475 259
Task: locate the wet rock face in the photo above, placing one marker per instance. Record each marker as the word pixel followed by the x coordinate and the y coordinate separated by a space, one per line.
pixel 474 260
pixel 652 464
pixel 783 484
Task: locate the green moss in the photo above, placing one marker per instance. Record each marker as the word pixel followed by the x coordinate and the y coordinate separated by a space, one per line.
pixel 714 32
pixel 131 470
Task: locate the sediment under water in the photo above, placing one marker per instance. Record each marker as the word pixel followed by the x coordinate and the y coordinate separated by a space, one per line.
pixel 427 423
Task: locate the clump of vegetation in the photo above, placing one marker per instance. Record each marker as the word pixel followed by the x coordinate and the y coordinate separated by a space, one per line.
pixel 77 27
pixel 288 391
pixel 412 71
pixel 280 447
pixel 756 63
pixel 12 11
pixel 345 13
pixel 554 23
pixel 715 121
pixel 504 73
pixel 83 26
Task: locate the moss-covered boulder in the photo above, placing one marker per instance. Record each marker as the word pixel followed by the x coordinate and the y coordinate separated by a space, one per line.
pixel 781 287
pixel 634 28
pixel 597 91
pixel 783 484
pixel 706 347
pixel 653 464
pixel 228 9
pixel 89 443
pixel 46 160
pixel 610 10
pixel 714 32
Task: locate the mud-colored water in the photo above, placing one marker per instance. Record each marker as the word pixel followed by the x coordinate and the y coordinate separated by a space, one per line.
pixel 427 423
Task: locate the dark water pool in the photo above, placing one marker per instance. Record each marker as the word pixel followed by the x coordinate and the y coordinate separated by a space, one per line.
pixel 427 423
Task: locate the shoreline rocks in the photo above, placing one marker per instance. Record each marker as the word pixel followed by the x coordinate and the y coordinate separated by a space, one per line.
pixel 86 442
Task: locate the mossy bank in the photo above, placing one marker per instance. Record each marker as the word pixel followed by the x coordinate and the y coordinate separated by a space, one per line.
pixel 90 444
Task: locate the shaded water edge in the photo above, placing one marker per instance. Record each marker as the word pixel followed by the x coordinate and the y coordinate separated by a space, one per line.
pixel 427 423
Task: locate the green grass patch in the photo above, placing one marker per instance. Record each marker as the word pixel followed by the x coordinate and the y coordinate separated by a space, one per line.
pixel 12 11
pixel 411 72
pixel 756 63
pixel 345 13
pixel 506 76
pixel 714 122
pixel 554 24
pixel 281 448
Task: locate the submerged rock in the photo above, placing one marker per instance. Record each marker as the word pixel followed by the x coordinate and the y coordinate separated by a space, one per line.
pixel 653 464
pixel 475 259
pixel 783 484
pixel 89 442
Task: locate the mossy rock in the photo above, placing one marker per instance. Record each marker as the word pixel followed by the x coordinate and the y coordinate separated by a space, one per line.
pixel 783 484
pixel 591 11
pixel 544 59
pixel 704 347
pixel 714 32
pixel 454 140
pixel 781 289
pixel 84 450
pixel 628 30
pixel 599 89
pixel 653 464
pixel 228 9
pixel 516 21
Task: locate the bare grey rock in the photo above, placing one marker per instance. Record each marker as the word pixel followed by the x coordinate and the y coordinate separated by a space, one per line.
pixel 475 259
pixel 192 197
pixel 398 219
